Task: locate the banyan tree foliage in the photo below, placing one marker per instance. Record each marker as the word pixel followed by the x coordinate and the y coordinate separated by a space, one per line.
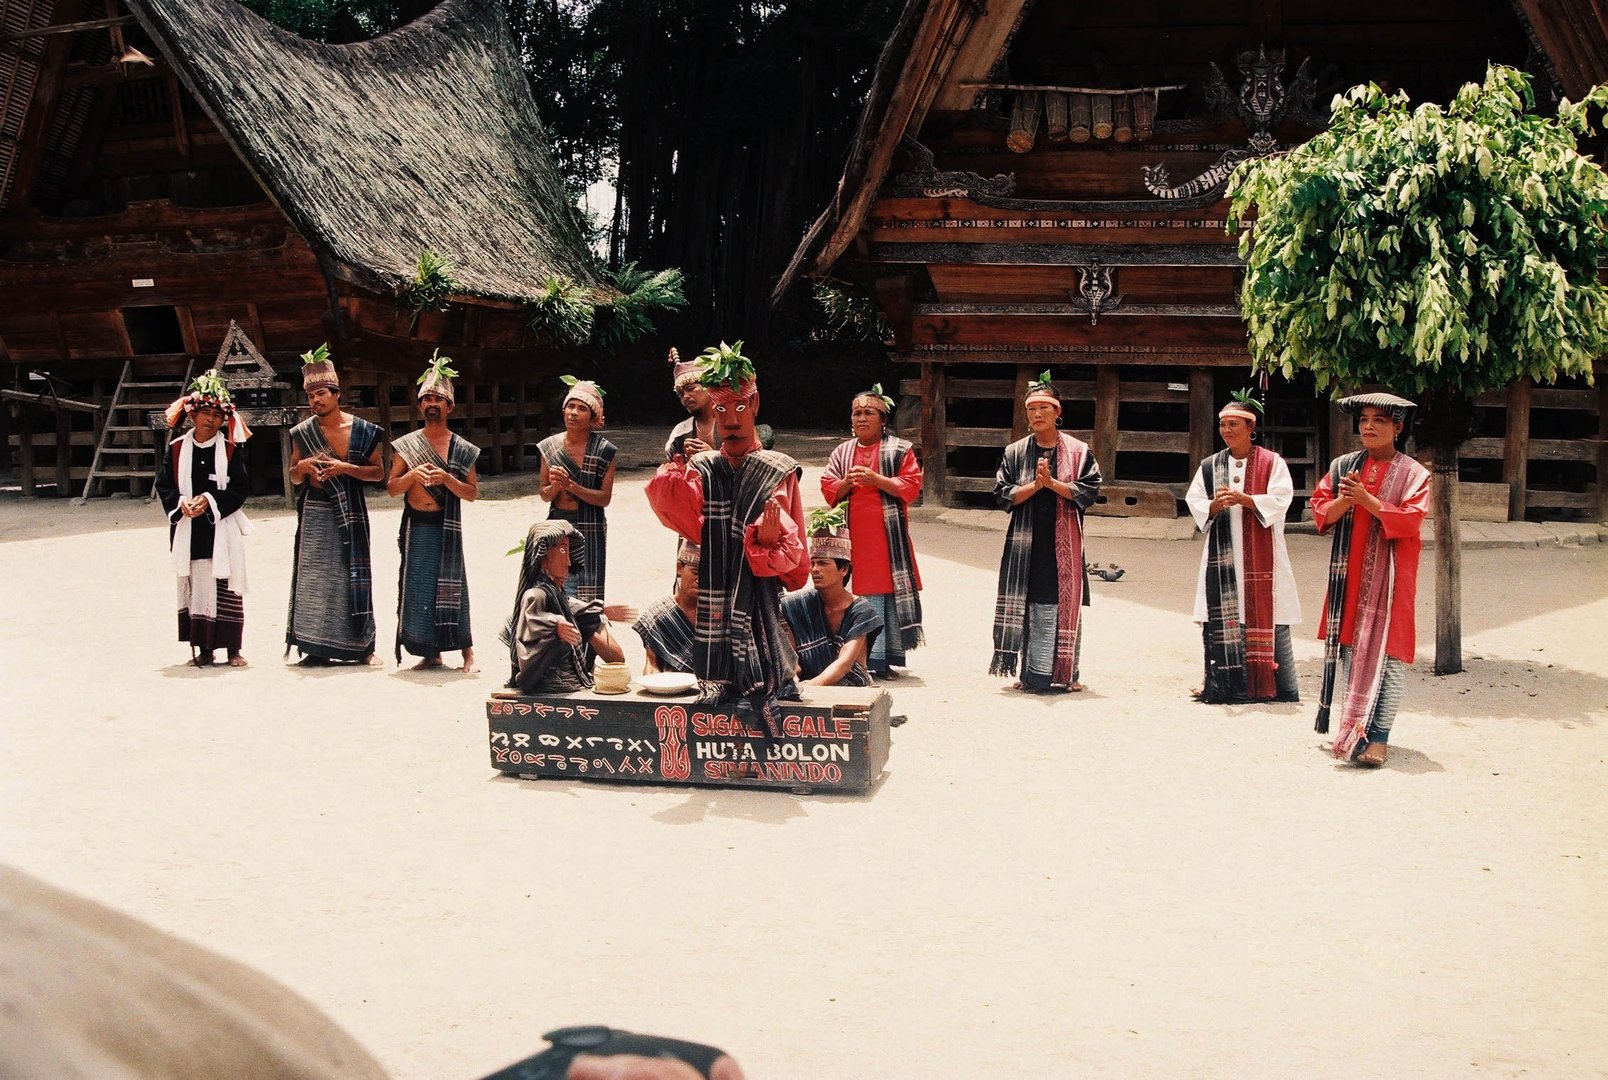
pixel 1441 252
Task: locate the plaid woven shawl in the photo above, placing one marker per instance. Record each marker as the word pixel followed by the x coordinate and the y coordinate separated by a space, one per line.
pixel 665 630
pixel 589 519
pixel 451 585
pixel 1404 478
pixel 1074 465
pixel 818 646
pixel 1240 657
pixel 896 526
pixel 741 645
pixel 351 516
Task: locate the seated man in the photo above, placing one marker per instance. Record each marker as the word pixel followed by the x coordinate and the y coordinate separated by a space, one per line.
pixel 832 629
pixel 667 628
pixel 553 639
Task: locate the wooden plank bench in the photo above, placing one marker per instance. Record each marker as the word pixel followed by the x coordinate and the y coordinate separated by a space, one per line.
pixel 835 741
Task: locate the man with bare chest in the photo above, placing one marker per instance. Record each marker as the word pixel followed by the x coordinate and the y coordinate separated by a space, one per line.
pixel 333 454
pixel 434 471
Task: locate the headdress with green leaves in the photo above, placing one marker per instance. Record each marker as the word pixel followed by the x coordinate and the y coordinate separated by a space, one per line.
pixel 317 370
pixel 725 365
pixel 876 394
pixel 1041 388
pixel 829 533
pixel 1242 403
pixel 208 388
pixel 437 378
pixel 828 519
pixel 587 392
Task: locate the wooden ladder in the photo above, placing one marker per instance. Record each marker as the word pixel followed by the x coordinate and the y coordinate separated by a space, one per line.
pixel 128 446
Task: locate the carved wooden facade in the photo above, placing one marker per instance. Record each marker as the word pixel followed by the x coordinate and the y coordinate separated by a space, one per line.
pixel 1010 213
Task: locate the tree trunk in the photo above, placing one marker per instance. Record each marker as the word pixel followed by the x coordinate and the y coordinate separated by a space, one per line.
pixel 1448 563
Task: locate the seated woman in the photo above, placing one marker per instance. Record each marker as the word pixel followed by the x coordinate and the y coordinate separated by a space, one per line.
pixel 832 628
pixel 668 628
pixel 553 639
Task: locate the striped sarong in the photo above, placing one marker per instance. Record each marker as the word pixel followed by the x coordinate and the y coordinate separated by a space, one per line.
pixel 896 527
pixel 344 559
pixel 586 582
pixel 817 645
pixel 321 622
pixel 1240 661
pixel 1363 673
pixel 211 617
pixel 419 628
pixel 438 581
pixel 1074 465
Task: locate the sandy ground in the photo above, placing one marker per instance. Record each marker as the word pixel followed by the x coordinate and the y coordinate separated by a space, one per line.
pixel 1114 883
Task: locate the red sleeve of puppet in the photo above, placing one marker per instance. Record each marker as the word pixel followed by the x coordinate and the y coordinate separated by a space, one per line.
pixel 1406 519
pixel 1322 496
pixel 676 495
pixel 789 558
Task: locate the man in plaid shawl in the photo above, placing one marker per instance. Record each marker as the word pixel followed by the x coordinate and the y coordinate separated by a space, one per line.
pixel 1375 501
pixel 1245 595
pixel 333 454
pixel 832 628
pixel 434 469
pixel 877 475
pixel 669 628
pixel 740 504
pixel 577 477
pixel 1046 481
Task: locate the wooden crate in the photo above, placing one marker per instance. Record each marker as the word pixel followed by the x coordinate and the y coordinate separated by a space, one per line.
pixel 836 741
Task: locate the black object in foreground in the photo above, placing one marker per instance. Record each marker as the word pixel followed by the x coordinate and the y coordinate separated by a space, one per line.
pixel 569 1043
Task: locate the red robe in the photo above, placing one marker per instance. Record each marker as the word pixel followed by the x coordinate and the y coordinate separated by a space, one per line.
pixel 873 570
pixel 676 495
pixel 1401 525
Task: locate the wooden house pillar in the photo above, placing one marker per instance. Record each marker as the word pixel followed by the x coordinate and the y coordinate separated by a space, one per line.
pixel 1516 448
pixel 1602 449
pixel 1202 418
pixel 64 453
pixel 1340 437
pixel 1024 375
pixel 933 432
pixel 1107 397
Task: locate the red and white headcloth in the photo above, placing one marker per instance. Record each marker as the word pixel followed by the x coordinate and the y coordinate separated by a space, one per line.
pixel 1040 391
pixel 1235 408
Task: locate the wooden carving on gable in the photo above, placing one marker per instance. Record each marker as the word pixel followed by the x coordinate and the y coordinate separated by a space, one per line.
pixel 1263 103
pixel 241 365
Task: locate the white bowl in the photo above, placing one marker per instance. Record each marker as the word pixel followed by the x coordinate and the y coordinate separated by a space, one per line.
pixel 668 682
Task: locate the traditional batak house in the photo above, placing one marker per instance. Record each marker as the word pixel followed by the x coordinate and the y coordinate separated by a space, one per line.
pixel 170 169
pixel 1039 184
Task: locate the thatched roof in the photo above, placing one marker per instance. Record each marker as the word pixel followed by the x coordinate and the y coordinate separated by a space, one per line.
pixel 427 137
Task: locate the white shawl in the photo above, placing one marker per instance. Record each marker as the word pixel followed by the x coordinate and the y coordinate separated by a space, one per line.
pixel 228 538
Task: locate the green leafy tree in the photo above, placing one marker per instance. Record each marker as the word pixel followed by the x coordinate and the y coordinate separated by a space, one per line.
pixel 1439 252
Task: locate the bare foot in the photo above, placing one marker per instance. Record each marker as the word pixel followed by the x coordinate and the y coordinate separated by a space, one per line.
pixel 201 660
pixel 1076 688
pixel 469 663
pixel 371 661
pixel 427 663
pixel 1373 755
pixel 236 660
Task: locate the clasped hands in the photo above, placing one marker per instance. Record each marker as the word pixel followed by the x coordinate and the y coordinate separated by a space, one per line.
pixel 194 506
pixel 1043 480
pixel 429 475
pixel 1352 492
pixel 1227 496
pixel 322 467
pixel 861 475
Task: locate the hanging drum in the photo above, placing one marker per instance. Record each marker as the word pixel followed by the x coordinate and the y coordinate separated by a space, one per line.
pixel 1024 121
pixel 1122 119
pixel 1077 117
pixel 1144 115
pixel 1101 125
pixel 1055 117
